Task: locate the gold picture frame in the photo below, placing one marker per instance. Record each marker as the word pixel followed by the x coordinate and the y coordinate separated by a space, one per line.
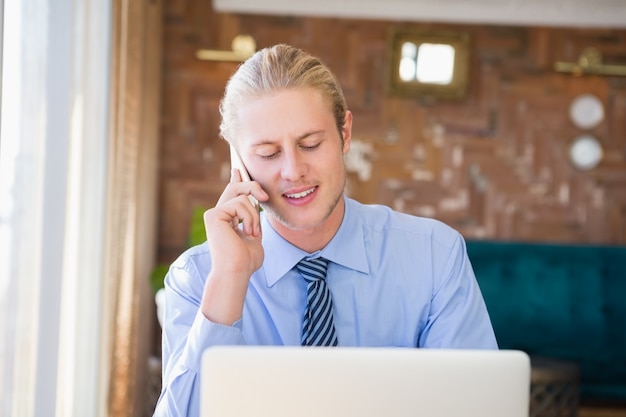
pixel 431 64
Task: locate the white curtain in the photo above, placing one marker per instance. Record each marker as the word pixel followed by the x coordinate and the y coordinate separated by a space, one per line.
pixel 57 303
pixel 53 159
pixel 78 175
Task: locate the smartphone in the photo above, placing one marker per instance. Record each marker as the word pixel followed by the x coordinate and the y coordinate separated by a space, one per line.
pixel 236 162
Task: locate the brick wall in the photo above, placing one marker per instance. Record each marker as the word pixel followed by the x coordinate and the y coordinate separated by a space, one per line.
pixel 493 165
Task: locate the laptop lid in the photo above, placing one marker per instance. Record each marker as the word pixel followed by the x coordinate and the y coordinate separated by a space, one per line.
pixel 363 382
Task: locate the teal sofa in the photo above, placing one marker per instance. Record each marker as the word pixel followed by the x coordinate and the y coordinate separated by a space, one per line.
pixel 560 301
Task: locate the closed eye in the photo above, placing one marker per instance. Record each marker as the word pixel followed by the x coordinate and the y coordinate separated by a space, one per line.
pixel 269 156
pixel 310 147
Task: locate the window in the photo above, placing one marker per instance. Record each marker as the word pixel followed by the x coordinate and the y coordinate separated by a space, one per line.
pixel 429 65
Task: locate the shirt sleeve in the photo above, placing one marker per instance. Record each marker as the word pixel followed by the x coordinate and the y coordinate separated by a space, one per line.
pixel 186 335
pixel 458 317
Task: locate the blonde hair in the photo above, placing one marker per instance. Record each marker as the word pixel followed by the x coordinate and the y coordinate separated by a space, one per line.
pixel 277 68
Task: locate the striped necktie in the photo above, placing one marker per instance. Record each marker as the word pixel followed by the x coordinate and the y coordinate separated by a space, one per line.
pixel 318 328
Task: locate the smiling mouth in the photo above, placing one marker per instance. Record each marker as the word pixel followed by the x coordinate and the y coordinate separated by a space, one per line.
pixel 300 194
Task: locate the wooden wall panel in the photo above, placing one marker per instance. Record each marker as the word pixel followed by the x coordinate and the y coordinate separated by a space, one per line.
pixel 493 165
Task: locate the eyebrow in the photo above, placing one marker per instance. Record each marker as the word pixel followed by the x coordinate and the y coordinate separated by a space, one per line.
pixel 307 134
pixel 302 136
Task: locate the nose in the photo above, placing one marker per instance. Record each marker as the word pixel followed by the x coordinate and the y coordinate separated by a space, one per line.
pixel 293 165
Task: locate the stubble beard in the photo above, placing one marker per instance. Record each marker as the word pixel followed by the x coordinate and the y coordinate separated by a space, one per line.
pixel 290 225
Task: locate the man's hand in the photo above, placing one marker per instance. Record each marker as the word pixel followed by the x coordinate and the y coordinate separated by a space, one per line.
pixel 236 250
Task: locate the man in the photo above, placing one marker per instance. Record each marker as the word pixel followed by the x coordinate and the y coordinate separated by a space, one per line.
pixel 393 279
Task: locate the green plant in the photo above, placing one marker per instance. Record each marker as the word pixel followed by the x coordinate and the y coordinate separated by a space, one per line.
pixel 196 236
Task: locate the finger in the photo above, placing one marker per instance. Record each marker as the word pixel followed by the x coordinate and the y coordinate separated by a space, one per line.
pixel 255 189
pixel 249 218
pixel 238 212
pixel 235 175
pixel 242 215
pixel 248 188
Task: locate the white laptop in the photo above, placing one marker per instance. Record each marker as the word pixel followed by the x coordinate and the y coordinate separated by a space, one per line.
pixel 363 382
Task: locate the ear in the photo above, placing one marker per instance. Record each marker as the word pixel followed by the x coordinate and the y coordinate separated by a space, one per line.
pixel 346 131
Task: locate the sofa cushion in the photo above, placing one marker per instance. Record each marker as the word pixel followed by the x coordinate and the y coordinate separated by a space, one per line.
pixel 562 301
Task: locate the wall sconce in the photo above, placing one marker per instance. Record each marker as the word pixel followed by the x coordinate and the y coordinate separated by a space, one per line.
pixel 243 47
pixel 429 64
pixel 590 62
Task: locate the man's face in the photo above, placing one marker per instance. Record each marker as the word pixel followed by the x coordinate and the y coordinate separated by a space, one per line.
pixel 290 144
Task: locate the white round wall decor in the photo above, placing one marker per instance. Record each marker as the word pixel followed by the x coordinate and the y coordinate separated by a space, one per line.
pixel 586 111
pixel 585 152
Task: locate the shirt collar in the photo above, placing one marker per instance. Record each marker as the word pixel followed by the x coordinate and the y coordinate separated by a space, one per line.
pixel 346 248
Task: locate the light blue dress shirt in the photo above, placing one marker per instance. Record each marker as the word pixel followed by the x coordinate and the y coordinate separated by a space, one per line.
pixel 395 279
